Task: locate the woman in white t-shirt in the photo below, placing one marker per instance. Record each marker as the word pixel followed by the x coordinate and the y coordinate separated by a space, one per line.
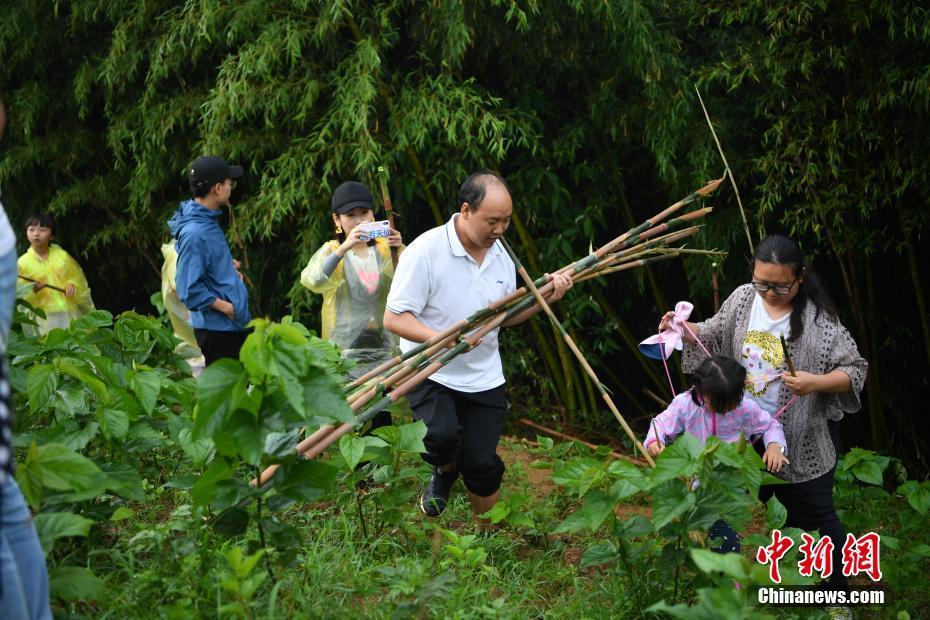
pixel 785 299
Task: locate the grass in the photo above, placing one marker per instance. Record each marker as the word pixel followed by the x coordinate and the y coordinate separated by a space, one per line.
pixel 167 562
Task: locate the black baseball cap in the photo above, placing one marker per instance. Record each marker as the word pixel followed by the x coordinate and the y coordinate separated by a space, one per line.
pixel 212 169
pixel 350 195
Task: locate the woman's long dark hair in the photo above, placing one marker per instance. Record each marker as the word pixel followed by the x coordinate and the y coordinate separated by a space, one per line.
pixel 722 379
pixel 781 250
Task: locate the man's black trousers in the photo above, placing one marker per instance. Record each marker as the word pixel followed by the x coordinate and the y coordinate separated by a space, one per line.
pixel 463 428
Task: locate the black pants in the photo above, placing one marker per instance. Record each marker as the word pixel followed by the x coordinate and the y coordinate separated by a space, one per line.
pixel 810 507
pixel 729 538
pixel 217 345
pixel 463 428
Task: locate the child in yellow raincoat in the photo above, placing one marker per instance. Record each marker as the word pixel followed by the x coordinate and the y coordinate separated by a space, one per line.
pixel 178 312
pixel 47 265
pixel 354 276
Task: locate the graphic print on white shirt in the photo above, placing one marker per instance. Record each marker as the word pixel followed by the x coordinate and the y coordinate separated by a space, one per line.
pixel 366 269
pixel 762 355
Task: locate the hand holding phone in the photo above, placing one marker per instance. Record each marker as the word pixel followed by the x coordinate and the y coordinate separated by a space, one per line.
pixel 374 230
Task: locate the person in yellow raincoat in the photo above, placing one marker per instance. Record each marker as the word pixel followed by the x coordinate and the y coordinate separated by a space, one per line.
pixel 178 312
pixel 47 265
pixel 354 274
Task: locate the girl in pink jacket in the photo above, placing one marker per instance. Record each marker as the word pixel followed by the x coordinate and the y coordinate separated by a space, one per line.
pixel 715 405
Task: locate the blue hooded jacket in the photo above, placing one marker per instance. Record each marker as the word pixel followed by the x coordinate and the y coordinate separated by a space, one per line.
pixel 205 269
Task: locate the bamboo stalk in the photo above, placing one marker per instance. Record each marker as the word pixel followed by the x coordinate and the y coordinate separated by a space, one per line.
pixel 402 390
pixel 729 172
pixel 661 401
pixel 784 348
pixel 629 265
pixel 578 354
pixel 388 207
pixel 490 318
pixel 327 435
pixel 588 444
pixel 51 286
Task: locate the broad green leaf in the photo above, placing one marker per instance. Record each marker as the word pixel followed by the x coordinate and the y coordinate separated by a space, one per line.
pixel 124 401
pixel 282 535
pixel 411 438
pixel 390 434
pixel 633 527
pixel 247 434
pixel 65 470
pixel 51 526
pixel 869 472
pixel 203 491
pixel 146 384
pixel 197 451
pixel 622 489
pixel 122 513
pixel 214 386
pixel 713 604
pixel 498 513
pixel 232 492
pixel 231 522
pixel 78 439
pixel 143 437
pixel 279 446
pixel 71 398
pixel 124 480
pixel 352 448
pixel 305 481
pixel 359 449
pixel 404 438
pixel 730 564
pixel 678 459
pixel 596 508
pixel 918 495
pixel 579 474
pixel 545 443
pixel 73 583
pixel 79 370
pixel 775 514
pixel 113 423
pixel 29 478
pixel 629 472
pixel 267 352
pixel 91 320
pixel 920 550
pixel 669 501
pixel 599 554
pixel 110 372
pixel 41 383
pixel 323 398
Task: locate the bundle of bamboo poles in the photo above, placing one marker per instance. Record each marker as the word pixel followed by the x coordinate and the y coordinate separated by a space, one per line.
pixel 384 385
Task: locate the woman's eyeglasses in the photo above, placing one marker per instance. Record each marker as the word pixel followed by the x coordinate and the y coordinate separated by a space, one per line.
pixel 780 289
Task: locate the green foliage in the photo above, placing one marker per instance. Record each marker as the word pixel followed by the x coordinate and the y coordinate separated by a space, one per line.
pixel 592 117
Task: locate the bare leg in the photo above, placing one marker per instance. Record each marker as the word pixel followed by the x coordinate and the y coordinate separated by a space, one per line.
pixel 481 505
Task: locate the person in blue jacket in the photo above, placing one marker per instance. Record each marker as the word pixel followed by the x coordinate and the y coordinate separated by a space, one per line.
pixel 208 281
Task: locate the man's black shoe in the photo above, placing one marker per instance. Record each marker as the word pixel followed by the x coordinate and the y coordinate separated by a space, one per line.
pixel 436 494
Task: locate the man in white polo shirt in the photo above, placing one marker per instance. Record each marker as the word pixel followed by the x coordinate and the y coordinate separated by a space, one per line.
pixel 444 276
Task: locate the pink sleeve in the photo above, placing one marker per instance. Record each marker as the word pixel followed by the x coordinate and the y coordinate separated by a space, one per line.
pixel 760 422
pixel 671 422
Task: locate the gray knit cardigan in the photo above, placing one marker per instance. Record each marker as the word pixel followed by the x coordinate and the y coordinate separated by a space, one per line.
pixel 824 346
